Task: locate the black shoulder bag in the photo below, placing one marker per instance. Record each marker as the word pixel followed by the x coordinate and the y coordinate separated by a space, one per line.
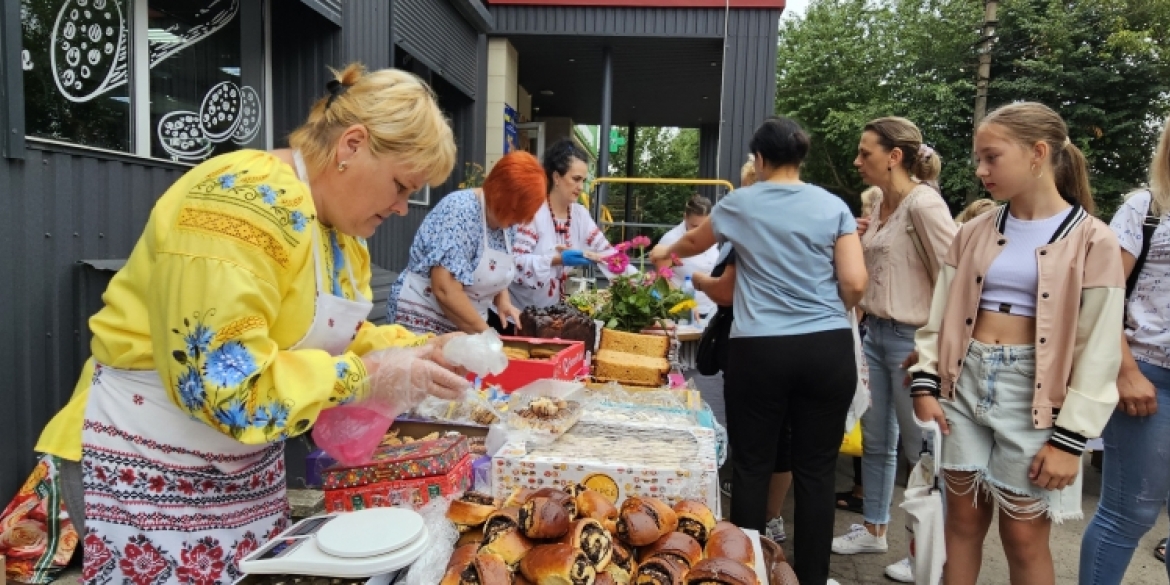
pixel 1149 225
pixel 711 356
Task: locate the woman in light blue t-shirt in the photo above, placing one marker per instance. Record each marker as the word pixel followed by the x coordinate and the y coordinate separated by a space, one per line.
pixel 800 268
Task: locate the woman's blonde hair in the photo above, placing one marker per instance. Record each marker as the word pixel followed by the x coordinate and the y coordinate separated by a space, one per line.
pixel 1160 175
pixel 975 209
pixel 398 110
pixel 747 174
pixel 1030 123
pixel 867 200
pixel 919 159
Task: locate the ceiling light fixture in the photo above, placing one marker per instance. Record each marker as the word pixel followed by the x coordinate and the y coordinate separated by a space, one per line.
pixel 546 92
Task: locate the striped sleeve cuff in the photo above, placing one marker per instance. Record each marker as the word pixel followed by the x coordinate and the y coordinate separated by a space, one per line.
pixel 1068 441
pixel 923 381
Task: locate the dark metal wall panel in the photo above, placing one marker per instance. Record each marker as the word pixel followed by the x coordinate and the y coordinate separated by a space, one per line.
pixel 390 246
pixel 708 154
pixel 304 47
pixel 749 84
pixel 366 37
pixel 330 9
pixel 613 21
pixel 436 34
pixel 62 206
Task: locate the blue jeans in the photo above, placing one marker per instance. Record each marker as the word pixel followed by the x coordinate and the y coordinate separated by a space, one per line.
pixel 887 344
pixel 1135 484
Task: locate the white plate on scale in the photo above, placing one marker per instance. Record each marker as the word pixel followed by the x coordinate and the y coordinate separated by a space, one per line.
pixel 356 544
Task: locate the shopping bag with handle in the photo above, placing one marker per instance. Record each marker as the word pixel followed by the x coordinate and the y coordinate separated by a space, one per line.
pixel 851 444
pixel 924 509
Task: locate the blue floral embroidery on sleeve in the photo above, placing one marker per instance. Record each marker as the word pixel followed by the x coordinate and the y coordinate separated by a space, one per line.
pixel 268 194
pixel 299 221
pixel 229 364
pixel 227 181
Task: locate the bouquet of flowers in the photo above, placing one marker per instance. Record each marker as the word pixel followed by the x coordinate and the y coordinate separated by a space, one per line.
pixel 640 299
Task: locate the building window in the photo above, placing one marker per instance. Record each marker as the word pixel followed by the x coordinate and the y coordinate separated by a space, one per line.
pixel 76 70
pixel 199 86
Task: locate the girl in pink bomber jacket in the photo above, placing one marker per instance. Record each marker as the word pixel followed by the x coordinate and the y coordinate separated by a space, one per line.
pixel 1019 359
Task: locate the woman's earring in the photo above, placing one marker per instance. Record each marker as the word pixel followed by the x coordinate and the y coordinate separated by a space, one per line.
pixel 1033 168
pixel 341 166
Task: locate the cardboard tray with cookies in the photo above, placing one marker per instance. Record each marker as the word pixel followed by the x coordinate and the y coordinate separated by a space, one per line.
pixel 531 359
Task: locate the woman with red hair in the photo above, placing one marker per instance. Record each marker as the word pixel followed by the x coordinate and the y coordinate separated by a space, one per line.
pixel 461 260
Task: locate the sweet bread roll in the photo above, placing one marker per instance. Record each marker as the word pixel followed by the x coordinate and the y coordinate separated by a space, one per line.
pixel 520 579
pixel 486 570
pixel 721 572
pixel 473 536
pixel 576 489
pixel 639 523
pixel 728 541
pixel 459 561
pixel 621 566
pixel 604 579
pixel 591 504
pixel 557 564
pixel 471 510
pixel 695 519
pixel 502 537
pixel 676 544
pixel 560 497
pixel 663 570
pixel 593 539
pixel 518 498
pixel 667 518
pixel 544 518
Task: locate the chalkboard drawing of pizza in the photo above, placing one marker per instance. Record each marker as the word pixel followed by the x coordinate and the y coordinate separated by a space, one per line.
pixel 88 55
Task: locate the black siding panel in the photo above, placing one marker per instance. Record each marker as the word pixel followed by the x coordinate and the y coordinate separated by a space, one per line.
pixel 436 34
pixel 304 47
pixel 749 85
pixel 367 32
pixel 63 206
pixel 612 21
pixel 330 9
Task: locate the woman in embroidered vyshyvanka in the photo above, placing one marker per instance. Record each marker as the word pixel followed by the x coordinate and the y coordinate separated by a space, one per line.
pixel 556 239
pixel 240 315
pixel 461 258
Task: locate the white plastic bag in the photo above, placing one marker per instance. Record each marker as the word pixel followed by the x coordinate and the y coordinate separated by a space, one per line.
pixel 924 510
pixel 481 354
pixel 861 394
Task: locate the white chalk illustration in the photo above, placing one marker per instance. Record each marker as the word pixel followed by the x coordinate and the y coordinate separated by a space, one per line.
pixel 250 110
pixel 89 44
pixel 88 54
pixel 181 136
pixel 227 111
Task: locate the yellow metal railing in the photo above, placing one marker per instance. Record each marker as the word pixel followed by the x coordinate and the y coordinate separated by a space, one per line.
pixel 606 218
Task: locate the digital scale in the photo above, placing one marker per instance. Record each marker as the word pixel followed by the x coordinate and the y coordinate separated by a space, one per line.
pixel 357 544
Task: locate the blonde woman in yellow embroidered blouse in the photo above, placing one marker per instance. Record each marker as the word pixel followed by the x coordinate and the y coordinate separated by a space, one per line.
pixel 238 318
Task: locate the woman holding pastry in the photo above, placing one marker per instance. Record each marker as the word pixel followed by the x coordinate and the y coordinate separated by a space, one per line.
pixel 461 259
pixel 239 317
pixel 560 236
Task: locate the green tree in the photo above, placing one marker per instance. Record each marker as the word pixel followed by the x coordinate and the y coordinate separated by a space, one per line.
pixel 1101 63
pixel 671 153
pixel 1105 66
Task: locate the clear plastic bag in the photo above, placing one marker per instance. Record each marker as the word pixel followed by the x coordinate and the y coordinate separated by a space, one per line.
pixel 430 567
pixel 481 354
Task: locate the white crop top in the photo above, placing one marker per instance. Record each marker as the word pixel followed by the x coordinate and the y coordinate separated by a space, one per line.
pixel 1011 281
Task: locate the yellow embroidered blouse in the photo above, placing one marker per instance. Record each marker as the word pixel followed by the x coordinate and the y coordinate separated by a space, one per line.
pixel 218 288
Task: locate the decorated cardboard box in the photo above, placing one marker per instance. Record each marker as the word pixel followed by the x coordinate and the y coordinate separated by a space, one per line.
pixel 407 493
pixel 565 361
pixel 619 461
pixel 399 462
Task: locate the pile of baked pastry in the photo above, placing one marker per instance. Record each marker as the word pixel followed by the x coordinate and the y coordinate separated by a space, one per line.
pixel 578 537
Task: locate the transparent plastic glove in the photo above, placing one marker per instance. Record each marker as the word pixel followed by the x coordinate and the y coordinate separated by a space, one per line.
pixel 574 258
pixel 404 376
pixel 481 354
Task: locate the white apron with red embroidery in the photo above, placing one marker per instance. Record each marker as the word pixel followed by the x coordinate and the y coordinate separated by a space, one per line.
pixel 419 310
pixel 169 499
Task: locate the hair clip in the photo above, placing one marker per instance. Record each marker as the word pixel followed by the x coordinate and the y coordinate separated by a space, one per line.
pixel 336 88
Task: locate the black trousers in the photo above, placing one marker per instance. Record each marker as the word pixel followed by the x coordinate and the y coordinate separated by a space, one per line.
pixel 807 380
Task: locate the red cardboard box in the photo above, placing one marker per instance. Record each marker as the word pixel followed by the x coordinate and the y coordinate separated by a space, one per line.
pixel 411 493
pixel 399 462
pixel 568 363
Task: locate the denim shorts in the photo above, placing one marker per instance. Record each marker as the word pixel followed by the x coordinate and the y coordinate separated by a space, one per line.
pixel 992 434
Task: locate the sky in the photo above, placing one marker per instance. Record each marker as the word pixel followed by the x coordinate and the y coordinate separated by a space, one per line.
pixel 795 7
